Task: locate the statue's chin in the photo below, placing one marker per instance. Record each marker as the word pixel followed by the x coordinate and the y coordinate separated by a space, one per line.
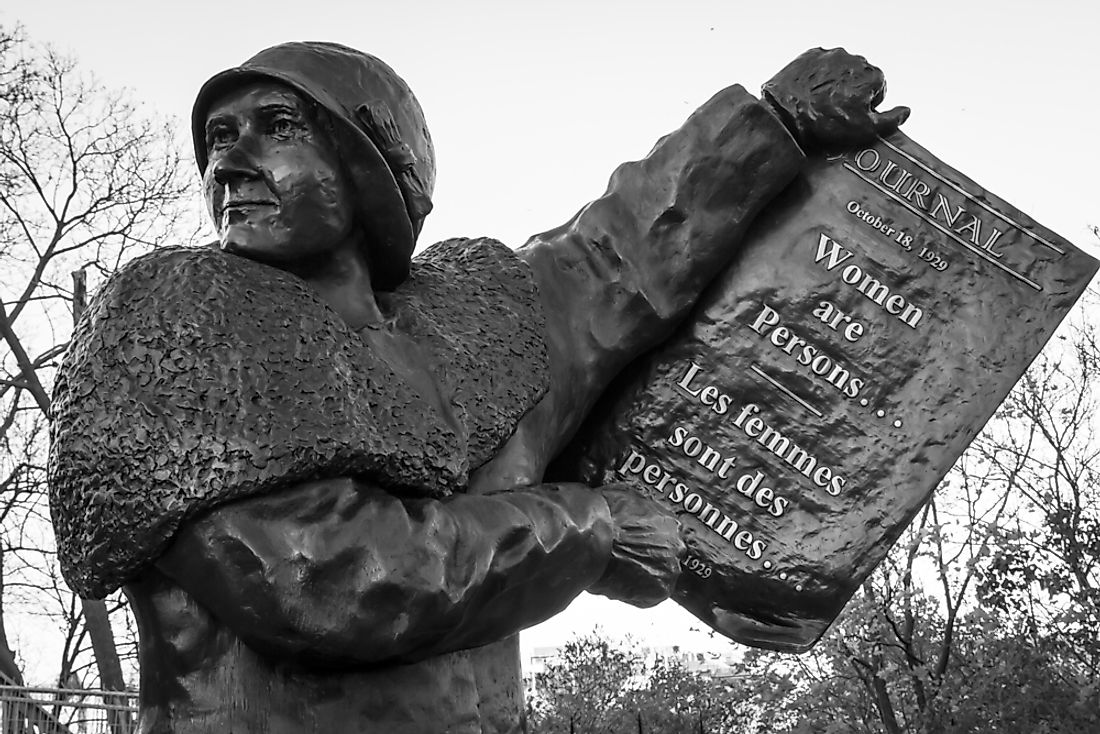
pixel 248 241
pixel 272 242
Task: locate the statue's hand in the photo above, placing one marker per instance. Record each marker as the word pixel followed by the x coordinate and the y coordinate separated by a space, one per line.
pixel 828 97
pixel 645 551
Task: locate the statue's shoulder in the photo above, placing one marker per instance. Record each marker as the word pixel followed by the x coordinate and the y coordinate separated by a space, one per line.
pixel 169 280
pixel 476 304
pixel 485 271
pixel 173 258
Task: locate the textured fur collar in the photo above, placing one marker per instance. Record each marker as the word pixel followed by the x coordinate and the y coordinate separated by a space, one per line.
pixel 196 378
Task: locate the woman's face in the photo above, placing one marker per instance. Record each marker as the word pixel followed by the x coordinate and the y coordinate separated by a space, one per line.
pixel 273 184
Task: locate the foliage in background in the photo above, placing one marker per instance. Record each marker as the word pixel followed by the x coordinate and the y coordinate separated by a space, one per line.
pixel 601 687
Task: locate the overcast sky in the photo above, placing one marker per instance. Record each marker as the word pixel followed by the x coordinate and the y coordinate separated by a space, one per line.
pixel 532 104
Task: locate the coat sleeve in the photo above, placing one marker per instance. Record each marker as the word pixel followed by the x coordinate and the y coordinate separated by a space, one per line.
pixel 619 275
pixel 338 573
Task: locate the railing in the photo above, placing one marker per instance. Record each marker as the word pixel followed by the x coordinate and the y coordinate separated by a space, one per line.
pixel 26 710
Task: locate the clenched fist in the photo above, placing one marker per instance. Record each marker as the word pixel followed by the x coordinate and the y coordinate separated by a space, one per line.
pixel 828 97
pixel 646 549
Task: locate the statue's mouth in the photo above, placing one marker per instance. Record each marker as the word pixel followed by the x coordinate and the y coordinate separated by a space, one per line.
pixel 237 210
pixel 247 204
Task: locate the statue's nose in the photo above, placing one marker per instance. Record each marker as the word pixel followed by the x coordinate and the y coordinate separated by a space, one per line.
pixel 236 163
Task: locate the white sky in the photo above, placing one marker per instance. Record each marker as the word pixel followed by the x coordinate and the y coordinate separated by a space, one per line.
pixel 532 104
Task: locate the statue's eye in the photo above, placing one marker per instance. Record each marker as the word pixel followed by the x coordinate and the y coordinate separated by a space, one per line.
pixel 220 136
pixel 281 125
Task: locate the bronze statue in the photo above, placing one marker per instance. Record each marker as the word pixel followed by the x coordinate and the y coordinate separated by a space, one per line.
pixel 314 462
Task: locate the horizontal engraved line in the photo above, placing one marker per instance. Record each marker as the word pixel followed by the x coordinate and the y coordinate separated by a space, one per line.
pixel 971 197
pixel 778 385
pixel 976 250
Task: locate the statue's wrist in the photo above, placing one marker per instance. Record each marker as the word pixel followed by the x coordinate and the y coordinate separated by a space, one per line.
pixel 786 116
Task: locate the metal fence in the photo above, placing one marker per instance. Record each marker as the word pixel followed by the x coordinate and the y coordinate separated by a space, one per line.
pixel 62 711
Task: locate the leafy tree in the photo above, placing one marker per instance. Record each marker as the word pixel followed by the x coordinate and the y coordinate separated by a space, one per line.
pixel 675 699
pixel 1044 448
pixel 598 687
pixel 584 689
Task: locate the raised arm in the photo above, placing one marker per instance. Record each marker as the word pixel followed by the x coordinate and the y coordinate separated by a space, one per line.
pixel 621 274
pixel 618 276
pixel 624 270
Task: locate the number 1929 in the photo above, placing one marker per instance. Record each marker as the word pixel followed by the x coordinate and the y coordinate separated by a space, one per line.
pixel 934 261
pixel 700 567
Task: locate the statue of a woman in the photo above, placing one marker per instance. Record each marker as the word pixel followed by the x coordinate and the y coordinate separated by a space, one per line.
pixel 315 463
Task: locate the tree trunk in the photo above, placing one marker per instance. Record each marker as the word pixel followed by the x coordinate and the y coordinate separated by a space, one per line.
pixel 884 706
pixel 8 668
pixel 98 625
pixel 9 671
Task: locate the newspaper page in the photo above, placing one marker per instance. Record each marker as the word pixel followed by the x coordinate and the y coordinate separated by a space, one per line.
pixel 874 319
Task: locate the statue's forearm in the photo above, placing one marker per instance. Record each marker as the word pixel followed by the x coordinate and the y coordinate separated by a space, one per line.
pixel 336 573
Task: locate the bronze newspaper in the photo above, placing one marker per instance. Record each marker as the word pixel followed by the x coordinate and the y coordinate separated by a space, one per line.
pixel 877 315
